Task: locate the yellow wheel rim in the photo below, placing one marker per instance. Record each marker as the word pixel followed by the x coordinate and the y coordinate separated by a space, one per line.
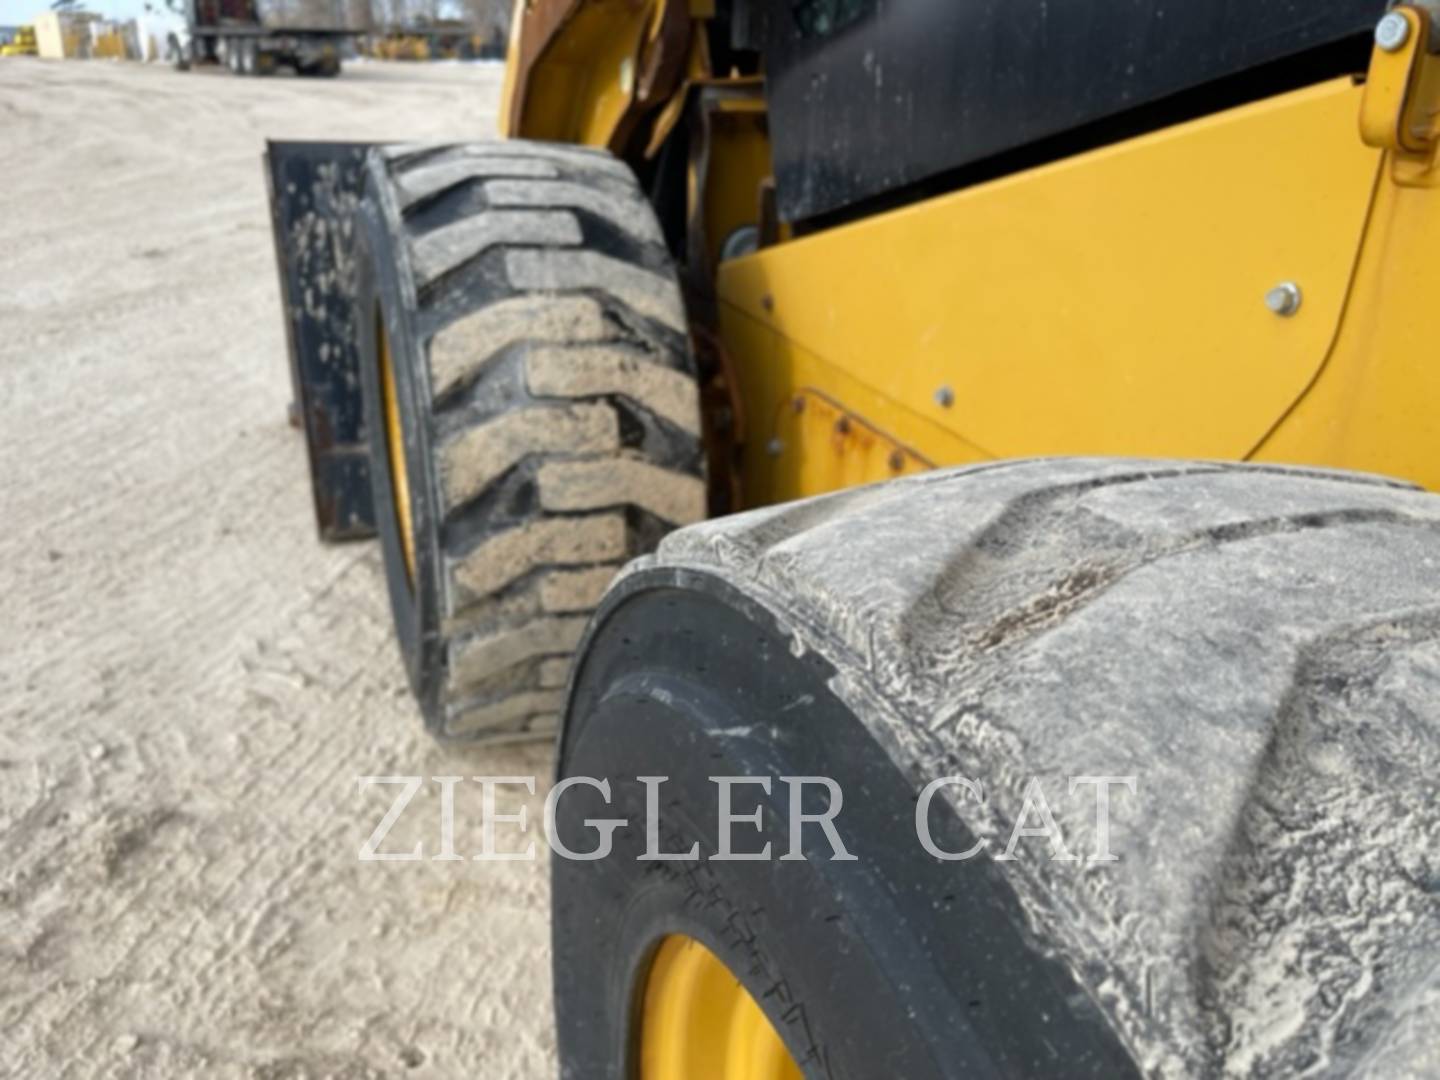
pixel 395 450
pixel 699 1023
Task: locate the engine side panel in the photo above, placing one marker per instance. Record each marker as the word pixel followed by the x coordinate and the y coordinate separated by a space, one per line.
pixel 1110 303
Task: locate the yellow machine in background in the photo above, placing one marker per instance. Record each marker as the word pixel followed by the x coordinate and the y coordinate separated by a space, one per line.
pixel 111 45
pixel 440 40
pixel 23 45
pixel 401 46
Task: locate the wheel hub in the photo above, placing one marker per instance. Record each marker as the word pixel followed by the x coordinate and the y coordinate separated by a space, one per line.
pixel 699 1023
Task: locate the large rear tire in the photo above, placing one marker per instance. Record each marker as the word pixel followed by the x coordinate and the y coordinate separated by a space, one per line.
pixel 532 412
pixel 1258 648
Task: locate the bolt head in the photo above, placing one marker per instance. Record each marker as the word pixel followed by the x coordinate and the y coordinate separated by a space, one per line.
pixel 775 448
pixel 1392 31
pixel 1284 299
pixel 944 397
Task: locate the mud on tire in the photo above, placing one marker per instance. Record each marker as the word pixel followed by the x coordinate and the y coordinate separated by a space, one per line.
pixel 547 408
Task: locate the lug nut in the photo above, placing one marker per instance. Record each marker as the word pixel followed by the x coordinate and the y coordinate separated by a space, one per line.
pixel 944 397
pixel 1392 32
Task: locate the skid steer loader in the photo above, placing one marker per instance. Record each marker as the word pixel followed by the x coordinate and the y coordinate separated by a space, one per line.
pixel 1049 393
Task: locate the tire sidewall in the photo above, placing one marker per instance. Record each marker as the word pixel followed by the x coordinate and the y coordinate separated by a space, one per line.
pixel 895 964
pixel 381 288
pixel 737 910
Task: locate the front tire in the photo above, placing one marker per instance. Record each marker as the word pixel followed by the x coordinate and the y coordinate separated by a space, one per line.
pixel 532 412
pixel 1252 654
pixel 892 965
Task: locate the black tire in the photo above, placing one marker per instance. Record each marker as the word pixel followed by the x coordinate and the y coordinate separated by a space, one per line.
pixel 1259 647
pixel 852 962
pixel 548 404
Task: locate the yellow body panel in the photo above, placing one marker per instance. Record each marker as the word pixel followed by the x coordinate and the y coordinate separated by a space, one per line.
pixel 789 454
pixel 1110 303
pixel 1375 404
pixel 506 127
pixel 738 161
pixel 583 83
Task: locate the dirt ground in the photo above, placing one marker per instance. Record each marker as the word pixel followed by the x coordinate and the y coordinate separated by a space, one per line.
pixel 190 684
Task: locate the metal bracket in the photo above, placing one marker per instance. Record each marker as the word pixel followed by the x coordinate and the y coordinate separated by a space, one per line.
pixel 1400 110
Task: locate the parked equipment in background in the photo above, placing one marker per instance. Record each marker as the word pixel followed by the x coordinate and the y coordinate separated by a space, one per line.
pixel 435 40
pixel 401 45
pixel 244 37
pixel 23 43
pixel 732 254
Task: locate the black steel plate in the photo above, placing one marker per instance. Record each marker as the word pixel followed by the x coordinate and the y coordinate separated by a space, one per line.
pixel 871 96
pixel 314 190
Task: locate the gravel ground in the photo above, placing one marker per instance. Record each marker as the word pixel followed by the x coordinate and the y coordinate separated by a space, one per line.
pixel 190 684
